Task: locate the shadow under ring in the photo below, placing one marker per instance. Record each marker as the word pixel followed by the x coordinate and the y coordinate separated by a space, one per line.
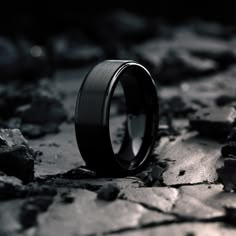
pixel 92 117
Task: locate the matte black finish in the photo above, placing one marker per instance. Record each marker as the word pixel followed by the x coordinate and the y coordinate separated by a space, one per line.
pixel 92 117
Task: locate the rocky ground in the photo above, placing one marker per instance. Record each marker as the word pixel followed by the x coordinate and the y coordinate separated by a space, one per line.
pixel 188 186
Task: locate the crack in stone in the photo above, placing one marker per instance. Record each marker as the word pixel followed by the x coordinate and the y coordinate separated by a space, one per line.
pixel 152 225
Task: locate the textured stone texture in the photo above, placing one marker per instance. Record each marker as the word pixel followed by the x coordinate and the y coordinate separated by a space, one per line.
pixel 196 156
pixel 81 217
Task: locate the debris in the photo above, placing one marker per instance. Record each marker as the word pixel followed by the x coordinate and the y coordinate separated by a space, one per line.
pixel 12 187
pixel 108 192
pixel 214 122
pixel 16 157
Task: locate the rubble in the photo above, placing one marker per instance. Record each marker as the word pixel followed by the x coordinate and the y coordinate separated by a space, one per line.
pixel 12 187
pixel 16 157
pixel 214 122
pixel 108 192
pixel 180 191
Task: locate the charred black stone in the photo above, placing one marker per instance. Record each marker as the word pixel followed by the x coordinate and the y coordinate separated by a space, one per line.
pixel 108 192
pixel 214 122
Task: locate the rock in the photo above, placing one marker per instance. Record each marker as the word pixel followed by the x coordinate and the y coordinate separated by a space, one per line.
pixel 214 122
pixel 108 192
pixel 189 152
pixel 43 110
pixel 78 173
pixel 16 157
pixel 42 116
pixel 179 106
pixel 17 161
pixel 227 174
pixel 11 187
pixel 229 150
pixel 12 137
pixel 16 96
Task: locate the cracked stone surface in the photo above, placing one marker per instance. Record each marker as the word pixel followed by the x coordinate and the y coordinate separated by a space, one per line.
pixel 182 189
pixel 194 154
pixel 161 198
pixel 81 217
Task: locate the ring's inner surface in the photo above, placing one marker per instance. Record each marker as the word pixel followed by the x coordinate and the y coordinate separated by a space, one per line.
pixel 127 131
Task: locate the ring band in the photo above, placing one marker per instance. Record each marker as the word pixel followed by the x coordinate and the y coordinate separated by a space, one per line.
pixel 92 117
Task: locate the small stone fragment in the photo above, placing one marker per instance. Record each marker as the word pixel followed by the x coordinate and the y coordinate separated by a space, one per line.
pixel 108 192
pixel 214 122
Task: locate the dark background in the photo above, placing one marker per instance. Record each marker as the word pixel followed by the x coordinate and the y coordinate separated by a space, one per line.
pixel 38 18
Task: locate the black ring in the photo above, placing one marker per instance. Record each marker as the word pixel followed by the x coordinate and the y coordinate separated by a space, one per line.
pixel 92 117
